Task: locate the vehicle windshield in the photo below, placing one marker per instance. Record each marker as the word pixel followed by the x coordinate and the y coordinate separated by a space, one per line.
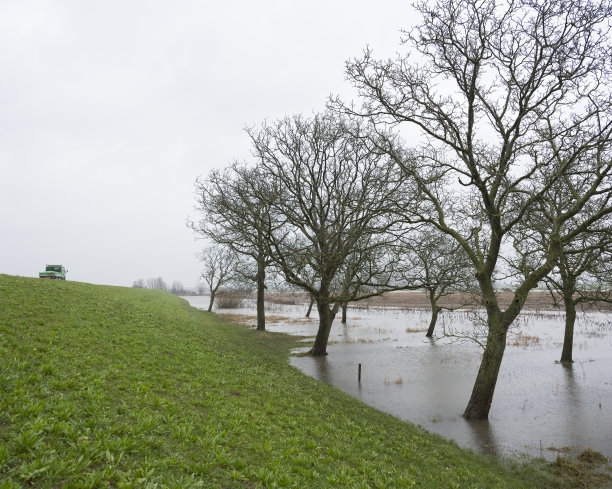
pixel 54 268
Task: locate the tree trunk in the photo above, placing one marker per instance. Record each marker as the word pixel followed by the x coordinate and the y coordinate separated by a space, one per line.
pixel 482 394
pixel 326 318
pixel 434 313
pixel 434 319
pixel 212 301
pixel 570 320
pixel 344 307
pixel 310 306
pixel 261 287
pixel 497 323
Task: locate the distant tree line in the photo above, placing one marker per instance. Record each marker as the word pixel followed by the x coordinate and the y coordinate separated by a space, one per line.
pixel 159 283
pixel 508 179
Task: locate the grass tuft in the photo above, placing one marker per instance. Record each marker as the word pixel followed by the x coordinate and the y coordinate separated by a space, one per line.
pixel 579 473
pixel 590 456
pixel 523 340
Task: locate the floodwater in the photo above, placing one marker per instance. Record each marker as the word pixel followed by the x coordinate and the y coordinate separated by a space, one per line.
pixel 540 407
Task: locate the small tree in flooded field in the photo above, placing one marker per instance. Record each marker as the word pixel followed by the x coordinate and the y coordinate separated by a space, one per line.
pixel 334 197
pixel 507 98
pixel 363 268
pixel 219 269
pixel 234 216
pixel 582 278
pixel 437 263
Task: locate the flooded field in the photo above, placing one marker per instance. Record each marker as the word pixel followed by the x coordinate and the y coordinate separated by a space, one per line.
pixel 540 407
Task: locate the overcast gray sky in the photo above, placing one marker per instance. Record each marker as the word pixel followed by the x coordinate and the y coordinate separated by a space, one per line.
pixel 109 110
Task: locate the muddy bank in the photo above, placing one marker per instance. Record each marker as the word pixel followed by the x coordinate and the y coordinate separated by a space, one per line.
pixel 537 300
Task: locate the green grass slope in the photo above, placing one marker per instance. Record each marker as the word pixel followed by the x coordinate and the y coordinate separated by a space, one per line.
pixel 118 387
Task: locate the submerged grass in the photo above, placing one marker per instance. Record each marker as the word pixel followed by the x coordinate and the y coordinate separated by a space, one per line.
pixel 117 387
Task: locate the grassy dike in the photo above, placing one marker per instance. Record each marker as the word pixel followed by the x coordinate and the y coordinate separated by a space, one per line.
pixel 118 387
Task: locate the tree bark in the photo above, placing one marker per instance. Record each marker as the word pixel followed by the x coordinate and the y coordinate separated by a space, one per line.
pixel 261 287
pixel 344 307
pixel 482 394
pixel 434 319
pixel 434 313
pixel 570 320
pixel 310 306
pixel 212 301
pixel 326 318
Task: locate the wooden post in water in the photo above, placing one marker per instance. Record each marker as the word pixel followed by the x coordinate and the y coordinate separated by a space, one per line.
pixel 359 374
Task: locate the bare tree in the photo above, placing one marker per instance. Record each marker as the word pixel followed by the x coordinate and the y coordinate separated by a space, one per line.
pixel 234 215
pixel 582 279
pixel 437 263
pixel 219 269
pixel 177 288
pixel 582 275
pixel 505 97
pixel 156 283
pixel 334 197
pixel 139 284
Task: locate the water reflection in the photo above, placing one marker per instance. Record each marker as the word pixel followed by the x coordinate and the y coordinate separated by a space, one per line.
pixel 322 369
pixel 483 435
pixel 540 406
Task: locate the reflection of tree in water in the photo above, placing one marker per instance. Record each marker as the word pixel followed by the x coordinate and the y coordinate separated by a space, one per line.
pixel 572 388
pixel 346 336
pixel 571 402
pixel 322 369
pixel 484 437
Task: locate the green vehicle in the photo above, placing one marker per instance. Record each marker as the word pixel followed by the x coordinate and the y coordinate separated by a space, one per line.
pixel 57 272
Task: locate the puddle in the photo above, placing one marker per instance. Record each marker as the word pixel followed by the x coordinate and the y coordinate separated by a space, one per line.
pixel 540 407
